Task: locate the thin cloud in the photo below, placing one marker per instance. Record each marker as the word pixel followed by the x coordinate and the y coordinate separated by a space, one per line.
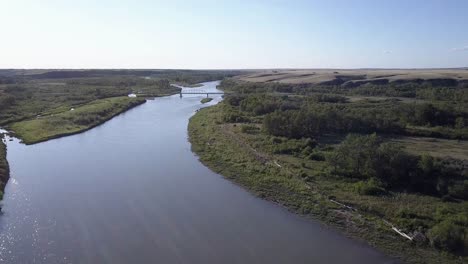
pixel 465 48
pixel 387 52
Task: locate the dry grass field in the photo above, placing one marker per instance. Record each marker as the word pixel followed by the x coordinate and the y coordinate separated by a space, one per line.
pixel 437 147
pixel 357 76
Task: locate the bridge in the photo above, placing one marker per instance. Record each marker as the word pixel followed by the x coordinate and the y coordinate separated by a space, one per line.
pixel 198 91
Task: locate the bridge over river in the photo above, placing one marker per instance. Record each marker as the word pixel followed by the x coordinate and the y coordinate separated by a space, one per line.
pixel 199 91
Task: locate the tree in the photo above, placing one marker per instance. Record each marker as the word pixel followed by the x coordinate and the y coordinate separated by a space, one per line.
pixel 356 155
pixel 448 235
pixel 392 164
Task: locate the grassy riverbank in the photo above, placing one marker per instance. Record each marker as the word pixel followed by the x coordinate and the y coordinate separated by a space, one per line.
pixel 25 94
pixel 206 100
pixel 72 121
pixel 36 103
pixel 243 153
pixel 4 169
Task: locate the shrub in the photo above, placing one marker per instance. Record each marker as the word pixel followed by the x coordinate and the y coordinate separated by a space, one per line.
pixel 276 140
pixel 459 190
pixel 369 187
pixel 293 146
pixel 234 100
pixel 248 128
pixel 316 155
pixel 449 236
pixel 234 117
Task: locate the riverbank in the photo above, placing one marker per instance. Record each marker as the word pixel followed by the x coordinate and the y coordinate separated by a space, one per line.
pixel 72 121
pixel 206 100
pixel 302 186
pixel 186 84
pixel 4 168
pixel 74 186
pixel 37 110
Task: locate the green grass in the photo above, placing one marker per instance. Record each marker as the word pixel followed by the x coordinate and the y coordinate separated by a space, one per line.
pixel 4 168
pixel 190 85
pixel 71 122
pixel 28 98
pixel 206 100
pixel 304 186
pixel 437 147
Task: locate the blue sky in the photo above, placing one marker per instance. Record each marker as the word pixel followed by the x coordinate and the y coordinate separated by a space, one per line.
pixel 233 34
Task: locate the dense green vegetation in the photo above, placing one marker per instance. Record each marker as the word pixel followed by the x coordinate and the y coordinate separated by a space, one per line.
pixel 315 152
pixel 27 99
pixel 28 94
pixel 316 114
pixel 25 94
pixel 419 90
pixel 206 100
pixel 74 120
pixel 4 169
pixel 388 167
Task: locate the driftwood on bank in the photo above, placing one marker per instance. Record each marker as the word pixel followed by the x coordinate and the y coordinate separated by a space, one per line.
pixel 398 231
pixel 401 233
pixel 343 205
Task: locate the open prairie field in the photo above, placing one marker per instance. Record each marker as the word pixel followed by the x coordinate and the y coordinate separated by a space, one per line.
pixel 357 77
pixel 437 147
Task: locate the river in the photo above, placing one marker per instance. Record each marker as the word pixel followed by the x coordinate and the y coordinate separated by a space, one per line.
pixel 131 191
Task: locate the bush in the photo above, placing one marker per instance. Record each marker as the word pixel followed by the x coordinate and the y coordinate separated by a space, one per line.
pixel 234 100
pixel 367 157
pixel 293 146
pixel 248 129
pixel 356 156
pixel 234 117
pixel 276 140
pixel 449 236
pixel 370 187
pixel 459 190
pixel 316 155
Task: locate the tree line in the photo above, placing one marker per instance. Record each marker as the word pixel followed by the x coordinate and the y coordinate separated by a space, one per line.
pixel 312 116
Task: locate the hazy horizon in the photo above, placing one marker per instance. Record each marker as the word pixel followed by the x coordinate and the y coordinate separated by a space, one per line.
pixel 240 69
pixel 247 35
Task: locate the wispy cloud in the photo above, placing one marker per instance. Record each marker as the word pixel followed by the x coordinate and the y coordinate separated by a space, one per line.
pixel 387 52
pixel 464 48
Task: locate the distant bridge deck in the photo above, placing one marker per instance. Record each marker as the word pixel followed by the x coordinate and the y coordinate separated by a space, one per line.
pixel 200 92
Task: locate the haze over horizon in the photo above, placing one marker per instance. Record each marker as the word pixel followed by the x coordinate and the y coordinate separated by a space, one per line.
pixel 242 35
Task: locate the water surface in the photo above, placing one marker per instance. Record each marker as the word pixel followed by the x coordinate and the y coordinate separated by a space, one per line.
pixel 131 191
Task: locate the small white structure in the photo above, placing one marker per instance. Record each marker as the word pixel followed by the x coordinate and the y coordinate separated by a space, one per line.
pixel 132 95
